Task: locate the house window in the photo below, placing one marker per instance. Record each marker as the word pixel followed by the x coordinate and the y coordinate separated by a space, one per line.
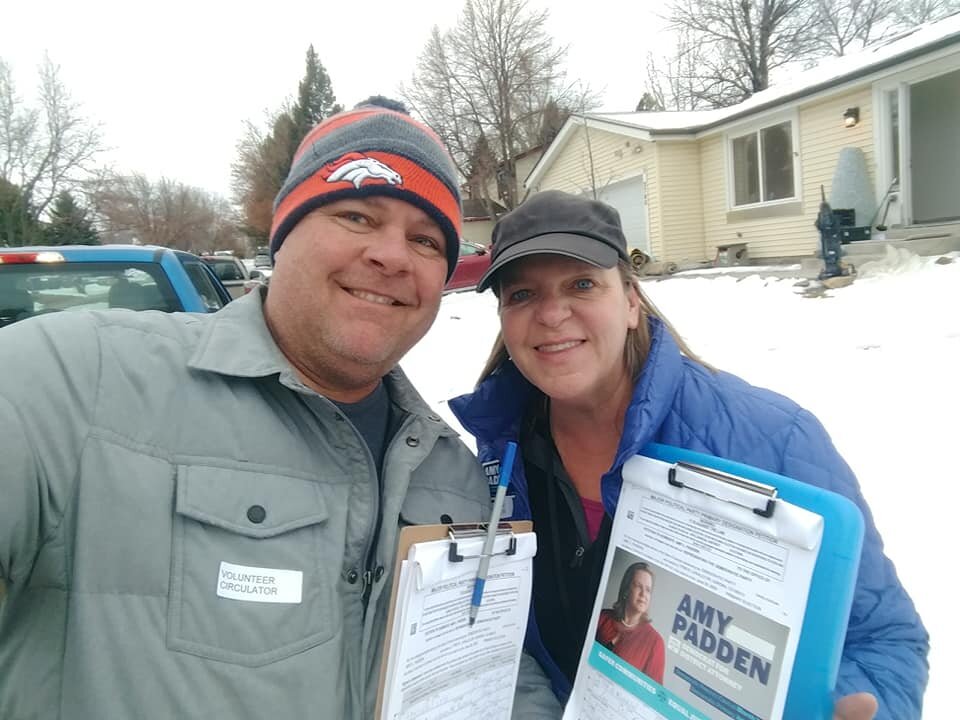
pixel 763 168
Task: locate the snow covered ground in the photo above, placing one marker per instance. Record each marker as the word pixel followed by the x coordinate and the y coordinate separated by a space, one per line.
pixel 878 362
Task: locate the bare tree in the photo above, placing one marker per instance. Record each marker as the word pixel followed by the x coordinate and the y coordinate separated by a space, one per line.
pixel 845 25
pixel 910 13
pixel 484 85
pixel 47 149
pixel 674 80
pixel 166 213
pixel 727 50
pixel 742 42
pixel 853 24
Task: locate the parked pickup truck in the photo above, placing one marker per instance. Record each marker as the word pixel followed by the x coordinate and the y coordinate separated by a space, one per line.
pixel 37 280
pixel 235 274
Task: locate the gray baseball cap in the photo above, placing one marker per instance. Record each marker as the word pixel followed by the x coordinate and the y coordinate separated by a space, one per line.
pixel 557 223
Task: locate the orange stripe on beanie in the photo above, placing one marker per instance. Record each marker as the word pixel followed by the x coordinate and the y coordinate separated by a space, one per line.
pixel 371 151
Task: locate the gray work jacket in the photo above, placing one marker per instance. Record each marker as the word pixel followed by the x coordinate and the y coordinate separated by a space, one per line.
pixel 162 482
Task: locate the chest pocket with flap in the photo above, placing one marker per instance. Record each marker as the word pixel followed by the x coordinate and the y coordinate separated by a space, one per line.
pixel 240 538
pixel 427 505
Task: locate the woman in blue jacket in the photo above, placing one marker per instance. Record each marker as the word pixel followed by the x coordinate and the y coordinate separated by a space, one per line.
pixel 586 372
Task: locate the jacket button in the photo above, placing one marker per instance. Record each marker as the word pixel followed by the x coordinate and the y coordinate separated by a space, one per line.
pixel 378 573
pixel 413 441
pixel 339 417
pixel 353 576
pixel 256 514
pixel 435 418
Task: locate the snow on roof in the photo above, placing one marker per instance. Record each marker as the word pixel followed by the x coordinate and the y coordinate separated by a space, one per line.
pixel 829 71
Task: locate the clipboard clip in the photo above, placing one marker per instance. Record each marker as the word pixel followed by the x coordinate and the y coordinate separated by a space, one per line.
pixel 469 531
pixel 764 506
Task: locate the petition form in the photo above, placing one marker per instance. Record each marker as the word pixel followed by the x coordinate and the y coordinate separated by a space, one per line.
pixel 714 633
pixel 441 667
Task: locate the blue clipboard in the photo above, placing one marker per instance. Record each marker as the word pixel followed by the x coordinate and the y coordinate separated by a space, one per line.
pixel 810 692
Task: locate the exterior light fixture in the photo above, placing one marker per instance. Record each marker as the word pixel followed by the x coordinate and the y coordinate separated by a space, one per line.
pixel 851 116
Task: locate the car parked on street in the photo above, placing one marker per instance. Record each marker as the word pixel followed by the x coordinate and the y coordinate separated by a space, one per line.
pixel 39 280
pixel 234 274
pixel 471 265
pixel 264 264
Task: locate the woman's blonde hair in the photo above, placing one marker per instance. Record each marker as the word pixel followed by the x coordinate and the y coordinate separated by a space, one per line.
pixel 635 348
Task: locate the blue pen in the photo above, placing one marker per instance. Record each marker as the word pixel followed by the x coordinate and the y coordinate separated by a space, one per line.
pixel 506 466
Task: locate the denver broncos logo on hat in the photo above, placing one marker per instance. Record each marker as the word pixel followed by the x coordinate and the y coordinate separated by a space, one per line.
pixel 358 168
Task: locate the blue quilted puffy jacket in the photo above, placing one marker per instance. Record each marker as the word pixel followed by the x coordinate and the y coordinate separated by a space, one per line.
pixel 679 402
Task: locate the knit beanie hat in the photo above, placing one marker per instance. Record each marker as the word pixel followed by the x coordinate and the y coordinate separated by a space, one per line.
pixel 367 151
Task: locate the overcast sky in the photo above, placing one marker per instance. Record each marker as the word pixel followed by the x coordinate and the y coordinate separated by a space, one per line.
pixel 172 82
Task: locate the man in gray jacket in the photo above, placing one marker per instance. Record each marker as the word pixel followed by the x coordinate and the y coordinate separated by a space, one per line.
pixel 199 514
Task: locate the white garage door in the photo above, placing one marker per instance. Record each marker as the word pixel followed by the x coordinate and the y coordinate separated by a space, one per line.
pixel 630 200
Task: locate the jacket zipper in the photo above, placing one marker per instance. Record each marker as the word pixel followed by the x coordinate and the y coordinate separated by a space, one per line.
pixel 369 552
pixel 366 577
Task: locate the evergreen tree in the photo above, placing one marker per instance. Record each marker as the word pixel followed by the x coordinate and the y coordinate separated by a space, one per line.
pixel 265 157
pixel 315 98
pixel 17 224
pixel 482 177
pixel 649 103
pixel 278 150
pixel 69 223
pixel 552 121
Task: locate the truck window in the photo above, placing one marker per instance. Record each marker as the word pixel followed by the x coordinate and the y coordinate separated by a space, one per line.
pixel 199 275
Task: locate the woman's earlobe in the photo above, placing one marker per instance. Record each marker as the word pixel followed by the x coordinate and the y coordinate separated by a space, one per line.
pixel 637 314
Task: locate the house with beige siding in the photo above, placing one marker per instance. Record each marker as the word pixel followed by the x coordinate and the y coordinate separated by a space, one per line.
pixel 480 214
pixel 688 183
pixel 477 221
